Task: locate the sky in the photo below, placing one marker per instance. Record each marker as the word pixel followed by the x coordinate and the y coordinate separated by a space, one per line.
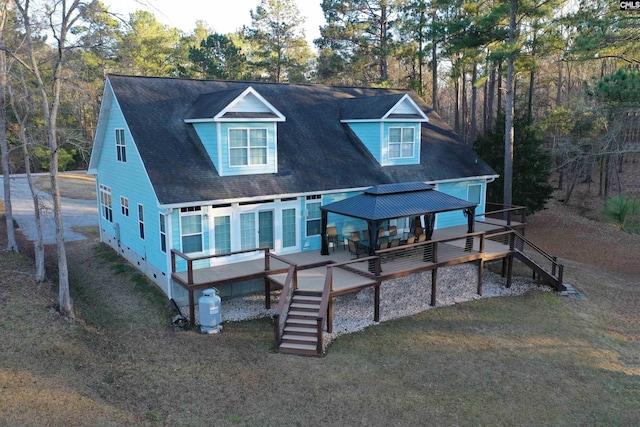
pixel 223 16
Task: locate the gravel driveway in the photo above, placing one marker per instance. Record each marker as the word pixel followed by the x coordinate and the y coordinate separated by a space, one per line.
pixel 75 212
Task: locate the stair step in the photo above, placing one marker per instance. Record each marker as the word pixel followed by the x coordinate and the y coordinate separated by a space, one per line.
pixel 301 330
pixel 305 349
pixel 301 306
pixel 304 314
pixel 301 339
pixel 300 298
pixel 300 322
pixel 308 293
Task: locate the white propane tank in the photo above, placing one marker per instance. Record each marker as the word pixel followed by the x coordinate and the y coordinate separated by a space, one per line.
pixel 209 309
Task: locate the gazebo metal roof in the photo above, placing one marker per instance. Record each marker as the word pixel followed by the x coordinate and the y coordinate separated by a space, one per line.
pixel 389 201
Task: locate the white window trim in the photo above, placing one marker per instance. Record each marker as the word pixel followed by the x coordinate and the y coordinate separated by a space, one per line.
pixel 124 206
pixel 162 220
pixel 248 148
pixel 121 146
pixel 142 233
pixel 401 143
pixel 105 193
pixel 469 192
pixel 202 226
pixel 316 199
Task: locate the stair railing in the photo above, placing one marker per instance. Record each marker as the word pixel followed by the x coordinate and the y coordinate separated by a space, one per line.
pixel 324 303
pixel 556 270
pixel 287 290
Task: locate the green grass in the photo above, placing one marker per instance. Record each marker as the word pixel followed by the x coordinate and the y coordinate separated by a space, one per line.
pixel 537 359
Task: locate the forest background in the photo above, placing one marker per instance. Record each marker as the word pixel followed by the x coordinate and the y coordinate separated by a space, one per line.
pixel 575 83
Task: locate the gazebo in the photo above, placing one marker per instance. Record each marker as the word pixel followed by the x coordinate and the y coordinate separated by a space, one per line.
pixel 391 201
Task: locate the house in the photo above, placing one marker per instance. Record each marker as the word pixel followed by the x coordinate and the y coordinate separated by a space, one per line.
pixel 206 166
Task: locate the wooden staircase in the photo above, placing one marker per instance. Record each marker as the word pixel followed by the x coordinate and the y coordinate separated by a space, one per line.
pixel 300 335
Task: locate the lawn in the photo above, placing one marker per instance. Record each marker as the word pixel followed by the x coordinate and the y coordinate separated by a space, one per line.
pixel 536 359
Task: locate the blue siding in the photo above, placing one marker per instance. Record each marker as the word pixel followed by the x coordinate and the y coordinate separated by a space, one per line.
pixel 131 181
pixel 369 134
pixel 208 134
pixel 460 190
pixel 378 144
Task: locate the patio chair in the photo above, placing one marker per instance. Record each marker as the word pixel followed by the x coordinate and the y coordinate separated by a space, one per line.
pixel 384 245
pixel 332 236
pixel 411 240
pixel 356 249
pixel 393 230
pixel 418 231
pixel 395 242
pixel 365 234
pixel 355 236
pixel 422 238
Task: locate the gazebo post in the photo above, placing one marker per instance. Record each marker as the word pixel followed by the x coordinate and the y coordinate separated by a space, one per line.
pixel 373 243
pixel 471 223
pixel 324 250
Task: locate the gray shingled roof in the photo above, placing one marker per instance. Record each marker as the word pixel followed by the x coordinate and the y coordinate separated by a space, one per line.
pixel 315 151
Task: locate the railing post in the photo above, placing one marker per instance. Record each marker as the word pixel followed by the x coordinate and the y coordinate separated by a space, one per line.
pixel 276 329
pixel 173 262
pixel 553 265
pixel 190 271
pixel 267 260
pixel 319 335
pixel 560 278
pixel 192 309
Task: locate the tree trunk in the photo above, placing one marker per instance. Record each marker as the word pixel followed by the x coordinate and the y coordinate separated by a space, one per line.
pixel 456 114
pixel 499 106
pixel 491 100
pixel 474 102
pixel 12 244
pixel 51 106
pixel 509 109
pixel 559 88
pixel 465 110
pixel 434 67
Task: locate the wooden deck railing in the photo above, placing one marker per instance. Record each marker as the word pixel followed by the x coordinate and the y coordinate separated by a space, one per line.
pixel 287 290
pixel 509 214
pixel 190 260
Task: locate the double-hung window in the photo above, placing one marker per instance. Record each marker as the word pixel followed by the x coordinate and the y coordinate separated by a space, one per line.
pixel 141 220
pixel 314 216
pixel 191 229
pixel 163 233
pixel 247 147
pixel 124 206
pixel 106 203
pixel 401 142
pixel 121 148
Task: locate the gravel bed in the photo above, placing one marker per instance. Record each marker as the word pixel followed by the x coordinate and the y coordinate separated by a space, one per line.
pixel 401 297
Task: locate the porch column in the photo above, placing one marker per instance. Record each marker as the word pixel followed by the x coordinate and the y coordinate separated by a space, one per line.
pixel 373 235
pixel 429 223
pixel 471 223
pixel 324 250
pixel 471 218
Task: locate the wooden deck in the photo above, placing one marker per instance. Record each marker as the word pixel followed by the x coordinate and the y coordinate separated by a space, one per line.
pixel 448 246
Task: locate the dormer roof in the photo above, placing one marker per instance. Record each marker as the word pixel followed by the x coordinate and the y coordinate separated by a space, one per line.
pixel 233 105
pixel 397 107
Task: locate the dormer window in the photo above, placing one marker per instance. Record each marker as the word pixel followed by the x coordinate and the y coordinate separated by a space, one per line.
pixel 247 147
pixel 401 142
